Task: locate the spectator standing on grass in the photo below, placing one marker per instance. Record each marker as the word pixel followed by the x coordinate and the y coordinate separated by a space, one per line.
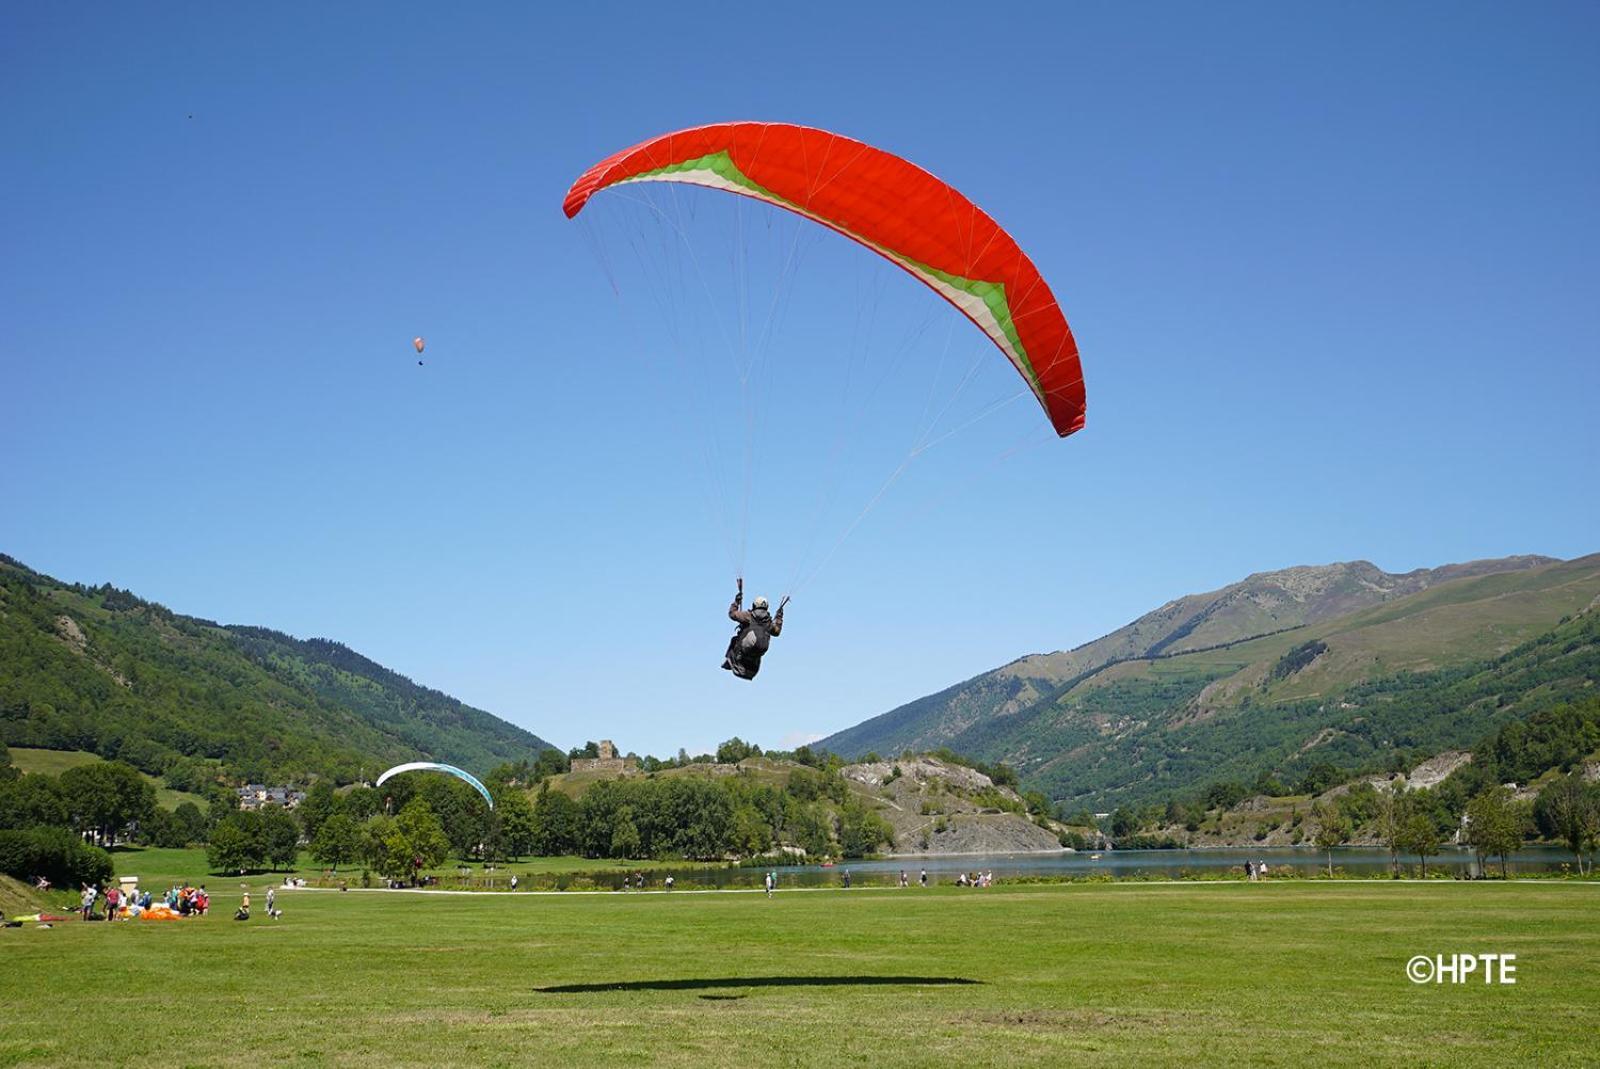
pixel 923 878
pixel 769 881
pixel 86 901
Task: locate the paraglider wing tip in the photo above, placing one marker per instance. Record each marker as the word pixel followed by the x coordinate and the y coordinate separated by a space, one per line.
pixel 594 178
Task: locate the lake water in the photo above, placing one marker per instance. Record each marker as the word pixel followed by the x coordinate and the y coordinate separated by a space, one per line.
pixel 1355 861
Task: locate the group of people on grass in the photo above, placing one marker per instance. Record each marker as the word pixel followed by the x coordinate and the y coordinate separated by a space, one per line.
pixel 975 879
pixel 182 900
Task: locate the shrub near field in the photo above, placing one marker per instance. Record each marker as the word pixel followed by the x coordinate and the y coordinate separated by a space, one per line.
pixel 54 853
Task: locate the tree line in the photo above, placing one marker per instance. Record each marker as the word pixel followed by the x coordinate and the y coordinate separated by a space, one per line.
pixel 418 821
pixel 698 817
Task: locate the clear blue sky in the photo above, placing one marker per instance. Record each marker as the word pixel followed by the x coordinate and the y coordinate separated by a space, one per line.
pixel 1333 273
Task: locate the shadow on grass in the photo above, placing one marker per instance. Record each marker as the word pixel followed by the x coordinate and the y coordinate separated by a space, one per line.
pixel 701 983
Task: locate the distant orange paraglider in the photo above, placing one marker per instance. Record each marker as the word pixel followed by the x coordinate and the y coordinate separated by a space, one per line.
pixel 419 344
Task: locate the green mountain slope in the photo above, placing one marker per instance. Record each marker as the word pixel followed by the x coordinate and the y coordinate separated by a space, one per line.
pixel 1266 603
pixel 1228 679
pixel 100 670
pixel 1146 759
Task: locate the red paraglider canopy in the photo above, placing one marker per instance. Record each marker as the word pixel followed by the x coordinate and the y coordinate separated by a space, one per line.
pixel 894 208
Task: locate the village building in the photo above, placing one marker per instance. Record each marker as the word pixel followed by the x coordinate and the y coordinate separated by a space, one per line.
pixel 256 795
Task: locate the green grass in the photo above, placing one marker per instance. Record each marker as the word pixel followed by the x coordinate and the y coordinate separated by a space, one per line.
pixel 49 762
pixel 55 762
pixel 18 899
pixel 1286 974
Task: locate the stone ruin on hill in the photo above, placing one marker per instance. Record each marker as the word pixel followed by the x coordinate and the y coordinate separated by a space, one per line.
pixel 608 761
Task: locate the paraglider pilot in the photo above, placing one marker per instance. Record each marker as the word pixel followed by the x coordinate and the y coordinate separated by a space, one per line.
pixel 757 628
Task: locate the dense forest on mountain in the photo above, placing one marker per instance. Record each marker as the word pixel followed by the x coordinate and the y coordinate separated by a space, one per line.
pixel 101 670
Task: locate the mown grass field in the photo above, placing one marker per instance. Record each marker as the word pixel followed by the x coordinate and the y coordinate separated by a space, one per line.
pixel 1123 974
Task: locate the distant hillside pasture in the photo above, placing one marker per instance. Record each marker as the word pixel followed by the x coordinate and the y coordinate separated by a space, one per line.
pixel 54 762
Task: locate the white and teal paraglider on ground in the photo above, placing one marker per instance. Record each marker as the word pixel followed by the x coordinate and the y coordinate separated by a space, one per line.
pixel 434 766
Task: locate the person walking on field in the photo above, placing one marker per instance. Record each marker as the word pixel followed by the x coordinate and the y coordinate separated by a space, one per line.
pixel 769 882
